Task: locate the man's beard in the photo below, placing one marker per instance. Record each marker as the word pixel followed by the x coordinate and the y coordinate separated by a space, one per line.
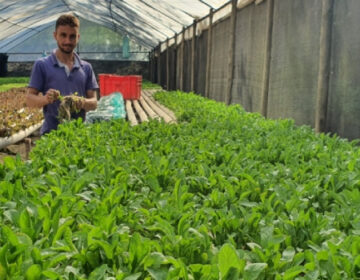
pixel 65 51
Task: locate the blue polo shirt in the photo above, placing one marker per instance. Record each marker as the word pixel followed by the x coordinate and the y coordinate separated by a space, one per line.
pixel 47 73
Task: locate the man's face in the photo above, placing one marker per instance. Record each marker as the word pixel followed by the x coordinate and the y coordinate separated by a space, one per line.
pixel 67 38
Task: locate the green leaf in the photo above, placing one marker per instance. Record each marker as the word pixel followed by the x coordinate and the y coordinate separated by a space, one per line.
pixel 138 250
pixel 36 255
pixel 153 183
pixel 232 274
pixel 58 259
pixel 292 272
pixel 25 223
pixel 51 274
pixel 183 224
pixel 357 261
pixel 158 273
pixel 133 276
pixel 87 195
pixel 72 270
pixel 12 215
pixel 33 272
pixel 253 270
pixel 106 247
pixel 65 223
pixel 9 162
pixel 3 272
pixel 68 238
pixel 227 259
pixel 266 234
pixel 3 253
pixel 288 254
pixel 248 204
pixel 322 255
pixel 98 273
pixel 154 259
pixel 11 236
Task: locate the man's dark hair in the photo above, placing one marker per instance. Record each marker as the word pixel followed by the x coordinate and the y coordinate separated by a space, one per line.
pixel 67 19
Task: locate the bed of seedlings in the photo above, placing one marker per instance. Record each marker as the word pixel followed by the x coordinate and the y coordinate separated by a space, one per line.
pixel 15 115
pixel 222 194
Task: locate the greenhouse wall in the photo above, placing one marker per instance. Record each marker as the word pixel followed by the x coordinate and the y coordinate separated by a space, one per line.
pixel 283 59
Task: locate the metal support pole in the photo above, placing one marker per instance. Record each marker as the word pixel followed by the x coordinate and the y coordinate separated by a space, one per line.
pixel 208 56
pixel 324 66
pixel 167 65
pixel 182 45
pixel 268 45
pixel 159 65
pixel 193 56
pixel 231 52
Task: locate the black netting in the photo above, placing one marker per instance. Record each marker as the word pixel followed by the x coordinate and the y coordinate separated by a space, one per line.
pixel 294 63
pixel 163 69
pixel 219 60
pixel 249 57
pixel 172 67
pixel 344 96
pixel 187 66
pixel 200 65
pixel 178 65
pixel 294 60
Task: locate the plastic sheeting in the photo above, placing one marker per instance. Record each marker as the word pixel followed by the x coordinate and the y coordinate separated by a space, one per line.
pixel 148 22
pixel 96 42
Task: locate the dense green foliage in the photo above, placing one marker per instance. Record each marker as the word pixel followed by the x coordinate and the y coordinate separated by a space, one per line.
pixel 149 85
pixel 7 87
pixel 13 82
pixel 223 194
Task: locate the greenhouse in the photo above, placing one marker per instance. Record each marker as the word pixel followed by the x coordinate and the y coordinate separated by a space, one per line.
pixel 168 139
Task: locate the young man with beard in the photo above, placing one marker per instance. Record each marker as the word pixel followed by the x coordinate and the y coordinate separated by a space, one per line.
pixel 62 73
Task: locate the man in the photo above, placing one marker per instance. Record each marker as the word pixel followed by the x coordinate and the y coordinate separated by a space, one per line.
pixel 62 73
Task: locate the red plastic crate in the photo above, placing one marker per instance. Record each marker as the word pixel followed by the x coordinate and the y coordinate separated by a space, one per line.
pixel 129 86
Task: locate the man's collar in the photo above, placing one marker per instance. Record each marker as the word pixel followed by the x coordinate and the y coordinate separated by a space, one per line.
pixel 55 61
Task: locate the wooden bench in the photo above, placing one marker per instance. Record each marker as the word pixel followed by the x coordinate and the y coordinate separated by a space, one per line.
pixel 146 108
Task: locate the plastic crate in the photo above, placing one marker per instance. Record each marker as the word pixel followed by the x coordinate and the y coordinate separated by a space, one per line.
pixel 129 86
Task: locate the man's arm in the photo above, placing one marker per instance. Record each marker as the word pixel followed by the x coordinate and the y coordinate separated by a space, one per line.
pixel 36 100
pixel 90 102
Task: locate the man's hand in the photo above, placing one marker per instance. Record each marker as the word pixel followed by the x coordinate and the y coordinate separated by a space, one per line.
pixel 79 103
pixel 36 100
pixel 52 95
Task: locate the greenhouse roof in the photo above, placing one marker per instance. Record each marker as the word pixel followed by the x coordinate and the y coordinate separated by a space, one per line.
pixel 148 22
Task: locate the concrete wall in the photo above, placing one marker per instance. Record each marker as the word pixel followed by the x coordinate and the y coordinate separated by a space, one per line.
pixel 19 69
